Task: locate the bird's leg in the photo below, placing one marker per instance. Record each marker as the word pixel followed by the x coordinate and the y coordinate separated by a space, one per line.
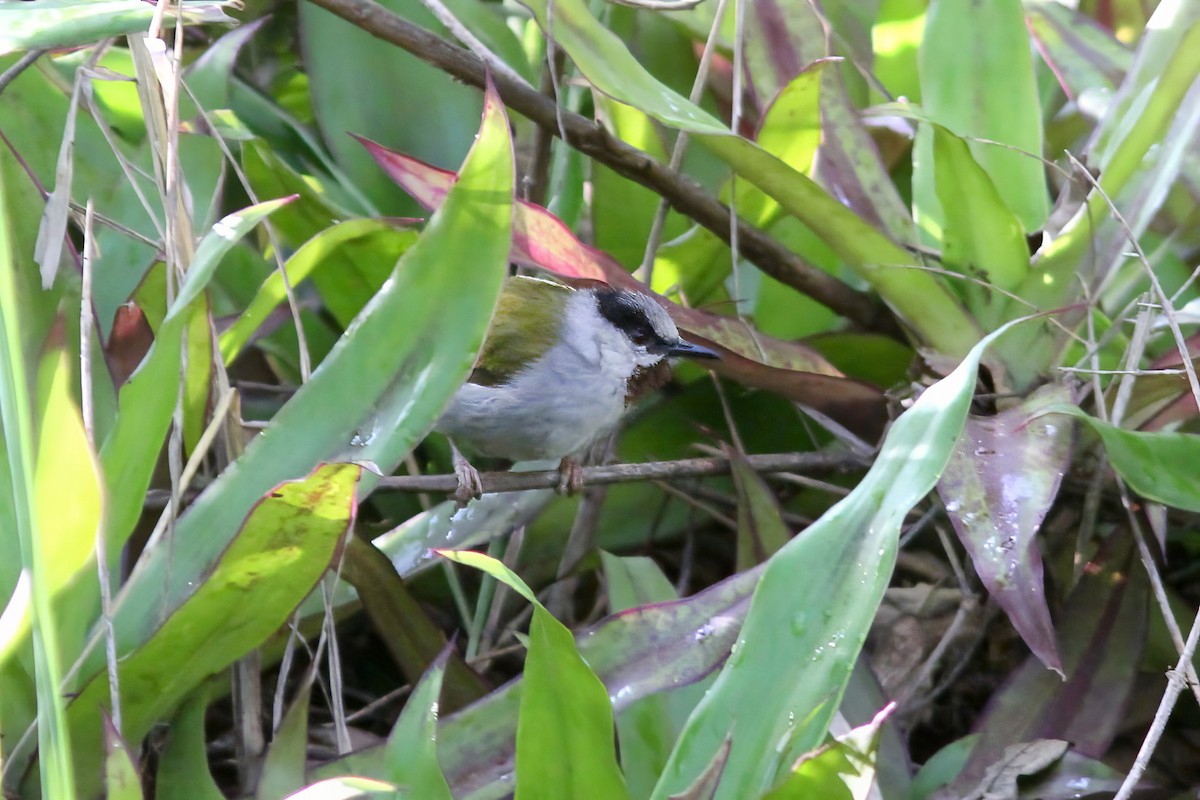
pixel 469 485
pixel 570 476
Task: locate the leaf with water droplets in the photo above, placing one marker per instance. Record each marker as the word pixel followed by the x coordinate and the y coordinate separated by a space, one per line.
pixel 411 754
pixel 1002 477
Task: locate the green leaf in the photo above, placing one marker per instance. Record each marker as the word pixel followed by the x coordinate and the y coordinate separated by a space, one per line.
pixel 231 605
pixel 395 98
pixel 565 727
pixel 326 249
pixel 761 532
pixel 121 781
pixel 427 357
pixel 283 767
pixel 21 498
pixel 977 80
pixel 803 636
pixel 224 235
pixel 843 770
pixel 411 752
pixel 64 464
pixel 183 764
pixel 646 729
pixel 58 24
pixel 640 653
pixel 981 237
pixel 130 452
pixel 1158 466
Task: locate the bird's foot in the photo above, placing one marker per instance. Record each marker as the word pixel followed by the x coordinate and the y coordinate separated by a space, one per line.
pixel 470 487
pixel 570 476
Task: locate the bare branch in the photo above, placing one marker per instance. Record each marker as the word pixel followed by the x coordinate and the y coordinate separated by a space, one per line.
pixel 494 482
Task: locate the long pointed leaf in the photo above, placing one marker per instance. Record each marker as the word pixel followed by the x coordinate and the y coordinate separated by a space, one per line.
pixel 802 636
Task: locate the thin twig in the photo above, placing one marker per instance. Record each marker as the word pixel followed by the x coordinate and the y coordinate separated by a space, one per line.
pixel 494 482
pixel 686 195
pixel 680 147
pixel 1176 678
pixel 13 72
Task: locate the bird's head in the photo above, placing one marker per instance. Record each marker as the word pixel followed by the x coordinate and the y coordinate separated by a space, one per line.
pixel 649 328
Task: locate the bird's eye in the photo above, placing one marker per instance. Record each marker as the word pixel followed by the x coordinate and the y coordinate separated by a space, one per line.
pixel 642 336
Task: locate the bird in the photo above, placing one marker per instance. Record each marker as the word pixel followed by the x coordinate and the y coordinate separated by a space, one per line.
pixel 557 370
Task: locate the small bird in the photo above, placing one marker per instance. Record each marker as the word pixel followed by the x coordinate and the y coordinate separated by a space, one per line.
pixel 555 373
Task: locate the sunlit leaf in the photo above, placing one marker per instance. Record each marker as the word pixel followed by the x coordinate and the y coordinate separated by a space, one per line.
pixel 232 604
pixel 843 769
pixel 977 80
pixel 980 236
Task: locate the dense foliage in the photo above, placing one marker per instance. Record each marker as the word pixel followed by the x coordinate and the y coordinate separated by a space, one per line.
pixel 924 531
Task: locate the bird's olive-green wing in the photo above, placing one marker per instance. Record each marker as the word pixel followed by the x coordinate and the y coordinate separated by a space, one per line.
pixel 528 318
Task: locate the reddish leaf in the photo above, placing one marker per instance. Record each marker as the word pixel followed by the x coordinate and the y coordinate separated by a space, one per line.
pixel 128 343
pixel 1083 55
pixel 787 37
pixel 1002 477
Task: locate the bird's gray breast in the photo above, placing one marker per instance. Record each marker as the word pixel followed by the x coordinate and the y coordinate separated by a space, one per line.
pixel 555 407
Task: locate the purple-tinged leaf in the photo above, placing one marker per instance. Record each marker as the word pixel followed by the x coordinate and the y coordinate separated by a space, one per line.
pixel 791 36
pixel 1083 55
pixel 1103 629
pixel 1018 760
pixel 1002 477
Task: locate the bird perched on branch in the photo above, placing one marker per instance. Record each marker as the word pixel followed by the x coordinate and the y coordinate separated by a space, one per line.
pixel 556 372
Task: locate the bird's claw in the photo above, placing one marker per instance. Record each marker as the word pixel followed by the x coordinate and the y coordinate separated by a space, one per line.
pixel 470 486
pixel 570 477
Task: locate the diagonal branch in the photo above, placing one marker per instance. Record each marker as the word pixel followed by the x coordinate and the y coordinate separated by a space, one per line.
pixel 684 194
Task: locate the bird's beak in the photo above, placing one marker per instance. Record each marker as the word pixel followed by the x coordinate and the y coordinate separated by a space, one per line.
pixel 686 349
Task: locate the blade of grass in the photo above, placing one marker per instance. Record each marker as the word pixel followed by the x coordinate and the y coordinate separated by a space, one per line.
pixel 17 418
